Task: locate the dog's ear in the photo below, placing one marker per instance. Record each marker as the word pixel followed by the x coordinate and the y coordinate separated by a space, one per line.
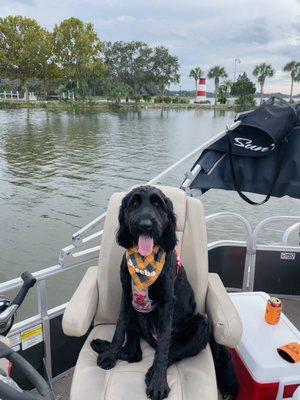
pixel 169 240
pixel 124 238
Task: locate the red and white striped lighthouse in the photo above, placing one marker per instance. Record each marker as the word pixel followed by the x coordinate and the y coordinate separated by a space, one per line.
pixel 201 91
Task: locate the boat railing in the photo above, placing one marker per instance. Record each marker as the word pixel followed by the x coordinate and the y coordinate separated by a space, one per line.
pixel 287 233
pixel 248 243
pixel 295 220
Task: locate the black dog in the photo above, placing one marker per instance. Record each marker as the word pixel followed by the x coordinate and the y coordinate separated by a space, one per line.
pixel 172 327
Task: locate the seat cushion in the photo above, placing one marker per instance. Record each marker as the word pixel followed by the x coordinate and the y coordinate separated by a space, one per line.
pixel 190 379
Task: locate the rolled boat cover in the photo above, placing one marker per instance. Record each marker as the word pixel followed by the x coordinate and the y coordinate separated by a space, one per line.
pixel 262 129
pixel 254 169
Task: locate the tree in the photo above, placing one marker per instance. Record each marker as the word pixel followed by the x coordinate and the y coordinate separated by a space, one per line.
pixel 196 74
pixel 47 69
pixel 129 62
pixel 119 91
pixel 77 48
pixel 216 73
pixel 96 74
pixel 144 69
pixel 245 90
pixel 262 71
pixel 224 91
pixel 294 68
pixel 164 67
pixel 23 49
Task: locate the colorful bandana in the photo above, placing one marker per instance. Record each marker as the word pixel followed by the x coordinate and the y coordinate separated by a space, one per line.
pixel 141 300
pixel 145 270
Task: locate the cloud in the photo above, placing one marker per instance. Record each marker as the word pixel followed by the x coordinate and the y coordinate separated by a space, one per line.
pixel 27 2
pixel 253 32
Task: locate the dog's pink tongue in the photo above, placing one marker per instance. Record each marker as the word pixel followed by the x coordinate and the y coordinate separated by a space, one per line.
pixel 145 245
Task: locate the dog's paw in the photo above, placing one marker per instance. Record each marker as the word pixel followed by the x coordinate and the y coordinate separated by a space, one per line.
pixel 148 376
pixel 229 391
pixel 100 345
pixel 157 387
pixel 130 355
pixel 106 360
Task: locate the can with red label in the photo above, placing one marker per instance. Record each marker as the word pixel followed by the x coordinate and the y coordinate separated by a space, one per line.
pixel 273 311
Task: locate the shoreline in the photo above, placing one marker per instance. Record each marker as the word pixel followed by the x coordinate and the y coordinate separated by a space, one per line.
pixel 102 107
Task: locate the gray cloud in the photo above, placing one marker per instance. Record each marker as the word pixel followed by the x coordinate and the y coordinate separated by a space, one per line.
pixel 21 2
pixel 253 32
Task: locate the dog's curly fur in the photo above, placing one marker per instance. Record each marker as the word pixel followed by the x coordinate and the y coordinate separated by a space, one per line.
pixel 174 328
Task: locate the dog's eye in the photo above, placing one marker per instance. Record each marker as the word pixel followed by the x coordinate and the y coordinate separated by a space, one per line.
pixel 135 202
pixel 155 201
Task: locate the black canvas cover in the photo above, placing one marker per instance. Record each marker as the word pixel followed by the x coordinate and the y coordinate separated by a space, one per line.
pixel 261 156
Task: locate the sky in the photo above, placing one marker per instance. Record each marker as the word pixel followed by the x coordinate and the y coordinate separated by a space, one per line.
pixel 201 33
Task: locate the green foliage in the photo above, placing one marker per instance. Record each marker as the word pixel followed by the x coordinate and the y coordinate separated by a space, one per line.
pixel 136 97
pixel 25 49
pixel 171 99
pixel 196 73
pixel 146 97
pixel 144 69
pixel 4 87
pixel 262 71
pixel 165 68
pixel 120 91
pixel 73 57
pixel 224 91
pixel 294 68
pixel 77 51
pixel 244 89
pixel 216 73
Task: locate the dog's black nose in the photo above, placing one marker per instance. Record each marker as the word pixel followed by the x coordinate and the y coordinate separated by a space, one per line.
pixel 145 224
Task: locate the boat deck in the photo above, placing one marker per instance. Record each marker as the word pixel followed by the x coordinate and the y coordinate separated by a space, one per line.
pixel 62 385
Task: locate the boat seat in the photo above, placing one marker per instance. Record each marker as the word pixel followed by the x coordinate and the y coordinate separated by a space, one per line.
pixel 97 299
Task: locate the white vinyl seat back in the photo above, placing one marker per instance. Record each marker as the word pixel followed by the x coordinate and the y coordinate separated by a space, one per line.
pixel 192 245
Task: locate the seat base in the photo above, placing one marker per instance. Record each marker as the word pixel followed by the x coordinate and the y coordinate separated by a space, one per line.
pixel 190 379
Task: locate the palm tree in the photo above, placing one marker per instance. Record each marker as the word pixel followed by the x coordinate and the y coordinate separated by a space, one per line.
pixel 262 71
pixel 294 68
pixel 216 73
pixel 228 84
pixel 223 91
pixel 196 73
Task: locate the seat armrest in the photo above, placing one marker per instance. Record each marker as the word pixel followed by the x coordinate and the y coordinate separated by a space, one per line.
pixel 81 309
pixel 226 323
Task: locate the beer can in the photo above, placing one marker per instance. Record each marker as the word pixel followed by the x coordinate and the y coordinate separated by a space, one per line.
pixel 273 311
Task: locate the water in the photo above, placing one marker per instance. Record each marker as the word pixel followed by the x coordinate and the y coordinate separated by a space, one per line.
pixel 58 170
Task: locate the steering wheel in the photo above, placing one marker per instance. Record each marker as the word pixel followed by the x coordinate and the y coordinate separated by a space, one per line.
pixel 9 393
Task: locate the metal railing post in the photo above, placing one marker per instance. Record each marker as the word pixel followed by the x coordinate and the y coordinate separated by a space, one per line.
pixel 249 249
pixel 43 311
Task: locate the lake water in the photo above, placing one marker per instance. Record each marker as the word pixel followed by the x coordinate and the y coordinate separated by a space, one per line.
pixel 58 170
